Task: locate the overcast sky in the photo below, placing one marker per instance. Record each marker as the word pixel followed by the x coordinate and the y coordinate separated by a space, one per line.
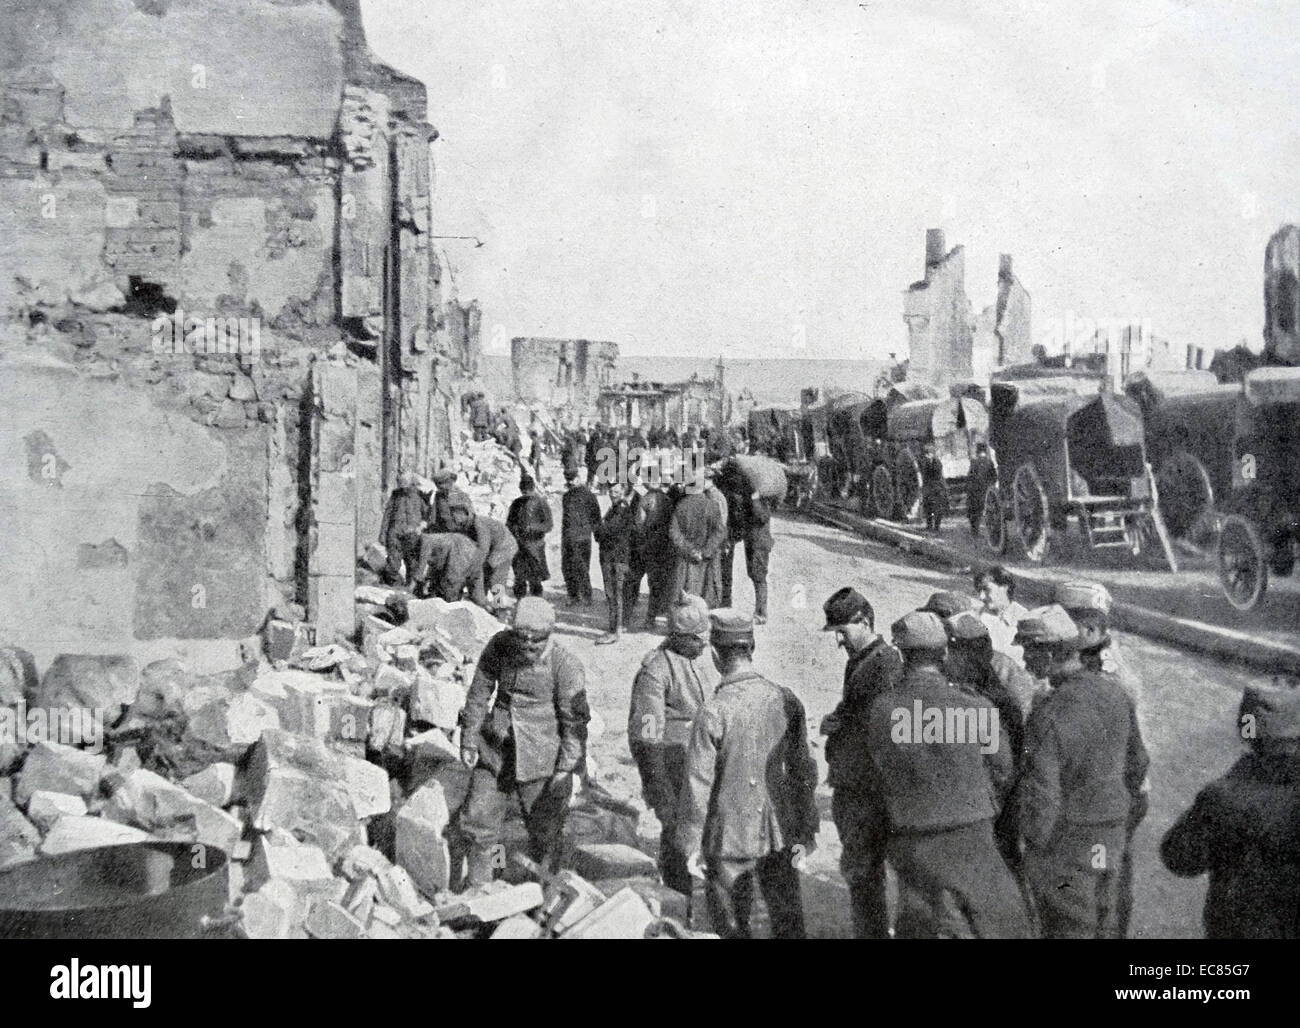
pixel 705 177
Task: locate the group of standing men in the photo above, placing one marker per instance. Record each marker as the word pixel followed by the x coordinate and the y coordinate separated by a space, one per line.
pixel 678 537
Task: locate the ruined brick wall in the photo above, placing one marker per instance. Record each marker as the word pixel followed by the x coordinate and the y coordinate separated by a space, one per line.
pixel 156 499
pixel 940 322
pixel 567 373
pixel 1014 317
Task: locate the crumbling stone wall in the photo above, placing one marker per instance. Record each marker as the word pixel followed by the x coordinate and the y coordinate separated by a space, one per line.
pixel 562 372
pixel 156 499
pixel 940 320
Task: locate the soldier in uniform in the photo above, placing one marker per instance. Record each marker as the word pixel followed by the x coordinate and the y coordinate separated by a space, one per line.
pixel 1088 604
pixel 530 744
pixel 674 680
pixel 696 533
pixel 1080 781
pixel 934 491
pixel 1244 827
pixel 983 473
pixel 404 519
pixel 652 556
pixel 873 667
pixel 529 520
pixel 496 549
pixel 941 796
pixel 614 534
pixel 579 516
pixel 713 578
pixel 450 564
pixel 748 811
pixel 447 501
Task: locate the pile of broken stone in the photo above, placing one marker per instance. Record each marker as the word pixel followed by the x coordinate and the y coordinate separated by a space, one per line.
pixel 328 775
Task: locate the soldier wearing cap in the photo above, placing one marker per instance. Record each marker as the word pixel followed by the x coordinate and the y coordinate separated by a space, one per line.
pixel 1081 777
pixel 450 564
pixel 713 576
pixel 529 520
pixel 579 516
pixel 748 810
pixel 696 532
pixel 873 667
pixel 496 549
pixel 1244 828
pixel 530 744
pixel 404 519
pixel 652 555
pixel 452 507
pixel 938 795
pixel 1088 604
pixel 674 680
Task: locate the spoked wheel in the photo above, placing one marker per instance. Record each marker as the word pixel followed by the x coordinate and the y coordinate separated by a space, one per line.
pixel 1030 513
pixel 993 527
pixel 907 483
pixel 1243 567
pixel 1186 494
pixel 882 492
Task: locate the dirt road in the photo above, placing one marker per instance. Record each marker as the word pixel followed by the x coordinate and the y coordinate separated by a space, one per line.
pixel 1189 703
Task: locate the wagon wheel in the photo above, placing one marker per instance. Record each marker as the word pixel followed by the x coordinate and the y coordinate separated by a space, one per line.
pixel 1186 494
pixel 907 482
pixel 882 492
pixel 993 530
pixel 1243 566
pixel 1030 512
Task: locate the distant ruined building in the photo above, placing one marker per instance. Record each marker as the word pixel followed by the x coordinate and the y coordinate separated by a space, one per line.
pixel 946 342
pixel 564 375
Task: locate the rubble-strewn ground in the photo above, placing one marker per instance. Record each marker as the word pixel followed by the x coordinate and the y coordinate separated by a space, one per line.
pixel 330 773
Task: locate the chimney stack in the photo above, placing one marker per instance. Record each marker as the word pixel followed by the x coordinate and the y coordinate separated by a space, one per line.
pixel 934 250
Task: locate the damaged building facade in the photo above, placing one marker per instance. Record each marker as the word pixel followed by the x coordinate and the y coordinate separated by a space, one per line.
pixel 565 376
pixel 695 403
pixel 221 325
pixel 946 342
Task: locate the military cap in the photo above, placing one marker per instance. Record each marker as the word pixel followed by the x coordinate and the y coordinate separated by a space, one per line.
pixel 689 616
pixel 843 606
pixel 919 630
pixel 534 616
pixel 965 627
pixel 1047 626
pixel 1275 708
pixel 946 604
pixel 730 625
pixel 1081 595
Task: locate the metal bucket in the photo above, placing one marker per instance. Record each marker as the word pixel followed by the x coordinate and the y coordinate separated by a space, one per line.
pixel 148 890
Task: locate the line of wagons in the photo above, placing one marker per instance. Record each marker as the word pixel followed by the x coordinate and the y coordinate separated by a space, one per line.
pixel 1175 456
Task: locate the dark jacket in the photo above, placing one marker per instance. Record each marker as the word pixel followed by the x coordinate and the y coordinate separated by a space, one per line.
pixel 446 503
pixel 932 483
pixel 930 786
pixel 529 520
pixel 866 675
pixel 982 475
pixel 449 561
pixel 1244 830
pixel 614 534
pixel 750 777
pixel 654 512
pixel 695 527
pixel 667 693
pixel 1084 760
pixel 579 514
pixel 407 510
pixel 542 707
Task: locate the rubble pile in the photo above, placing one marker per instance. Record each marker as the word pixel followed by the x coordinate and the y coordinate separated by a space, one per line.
pixel 329 775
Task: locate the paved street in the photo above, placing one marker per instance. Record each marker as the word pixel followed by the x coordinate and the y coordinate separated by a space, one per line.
pixel 1188 710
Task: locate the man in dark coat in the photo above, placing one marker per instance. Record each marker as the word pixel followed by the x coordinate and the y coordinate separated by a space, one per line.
pixel 652 556
pixel 614 534
pixel 748 812
pixel 447 501
pixel 1244 827
pixel 404 519
pixel 1082 775
pixel 674 680
pixel 579 516
pixel 450 564
pixel 530 744
pixel 983 473
pixel 596 443
pixel 529 519
pixel 873 667
pixel 480 417
pixel 934 491
pixel 930 747
pixel 756 526
pixel 696 533
pixel 496 550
